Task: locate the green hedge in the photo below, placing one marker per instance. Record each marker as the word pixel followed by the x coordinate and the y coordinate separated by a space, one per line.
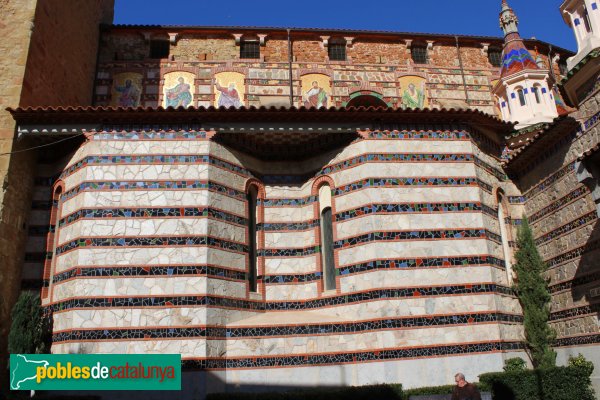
pixel 560 383
pixel 430 390
pixel 380 392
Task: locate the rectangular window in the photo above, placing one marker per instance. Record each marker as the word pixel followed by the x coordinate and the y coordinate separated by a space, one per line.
pixel 495 57
pixel 249 49
pixel 419 54
pixel 159 49
pixel 337 52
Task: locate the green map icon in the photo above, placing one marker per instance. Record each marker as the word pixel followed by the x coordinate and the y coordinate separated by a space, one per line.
pixel 23 369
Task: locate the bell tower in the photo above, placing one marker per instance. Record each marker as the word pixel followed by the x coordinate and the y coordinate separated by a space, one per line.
pixel 524 90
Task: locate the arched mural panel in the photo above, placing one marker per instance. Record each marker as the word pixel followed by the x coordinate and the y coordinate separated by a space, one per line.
pixel 316 90
pixel 126 89
pixel 413 91
pixel 229 89
pixel 178 89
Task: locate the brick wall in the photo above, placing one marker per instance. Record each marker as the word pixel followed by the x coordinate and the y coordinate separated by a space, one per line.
pixel 49 57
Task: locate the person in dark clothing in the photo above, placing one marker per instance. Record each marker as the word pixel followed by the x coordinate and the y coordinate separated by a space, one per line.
pixel 464 390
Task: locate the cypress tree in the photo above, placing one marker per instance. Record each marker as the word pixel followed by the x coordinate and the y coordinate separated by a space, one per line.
pixel 29 332
pixel 532 290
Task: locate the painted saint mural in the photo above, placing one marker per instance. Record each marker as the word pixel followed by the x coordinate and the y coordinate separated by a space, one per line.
pixel 413 92
pixel 178 89
pixel 127 89
pixel 229 89
pixel 315 90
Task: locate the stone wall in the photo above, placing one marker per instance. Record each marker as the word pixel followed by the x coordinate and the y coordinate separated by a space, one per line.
pixel 564 219
pixel 49 56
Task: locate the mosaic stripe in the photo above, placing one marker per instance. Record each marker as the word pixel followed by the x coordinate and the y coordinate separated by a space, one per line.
pixel 398 182
pixel 153 159
pixel 395 157
pixel 220 272
pixel 410 235
pixel 150 135
pixel 154 212
pixel 147 270
pixel 433 262
pixel 592 309
pixel 401 208
pixel 219 188
pixel 440 135
pixel 546 183
pixel 387 236
pixel 572 254
pixel 143 241
pixel 517 199
pixel 579 222
pixel 150 185
pixel 243 304
pixel 497 173
pixel 579 281
pixel 352 357
pixel 577 340
pixel 576 194
pixel 224 333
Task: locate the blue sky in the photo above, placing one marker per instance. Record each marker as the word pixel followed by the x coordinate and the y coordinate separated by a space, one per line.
pixel 539 18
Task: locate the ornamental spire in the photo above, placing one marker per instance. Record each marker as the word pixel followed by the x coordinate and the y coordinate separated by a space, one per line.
pixel 516 57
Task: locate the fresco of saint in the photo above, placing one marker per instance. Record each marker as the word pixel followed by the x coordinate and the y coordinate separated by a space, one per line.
pixel 315 97
pixel 129 94
pixel 413 97
pixel 179 95
pixel 229 95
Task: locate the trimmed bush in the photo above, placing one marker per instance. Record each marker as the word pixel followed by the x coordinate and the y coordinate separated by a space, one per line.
pixel 515 364
pixel 430 390
pixel 380 392
pixel 30 332
pixel 558 383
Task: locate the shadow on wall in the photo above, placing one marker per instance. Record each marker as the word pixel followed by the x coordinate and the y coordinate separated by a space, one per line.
pixel 586 281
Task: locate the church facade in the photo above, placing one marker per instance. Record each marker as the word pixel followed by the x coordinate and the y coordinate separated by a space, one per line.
pixel 290 207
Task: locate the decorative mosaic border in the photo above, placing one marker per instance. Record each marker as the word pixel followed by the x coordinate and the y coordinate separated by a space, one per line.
pixel 575 312
pixel 221 272
pixel 498 174
pixel 395 158
pixel 577 340
pixel 568 227
pixel 203 240
pixel 411 235
pixel 352 357
pixel 397 182
pixel 572 254
pixel 576 194
pixel 144 241
pixel 417 134
pixel 151 212
pixel 154 159
pixel 154 185
pixel 243 304
pixel 232 333
pixel 546 183
pixel 148 270
pixel 408 208
pixel 579 281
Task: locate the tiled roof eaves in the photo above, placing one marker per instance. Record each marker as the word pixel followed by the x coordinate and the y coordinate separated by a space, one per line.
pixel 553 131
pixel 213 114
pixel 340 30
